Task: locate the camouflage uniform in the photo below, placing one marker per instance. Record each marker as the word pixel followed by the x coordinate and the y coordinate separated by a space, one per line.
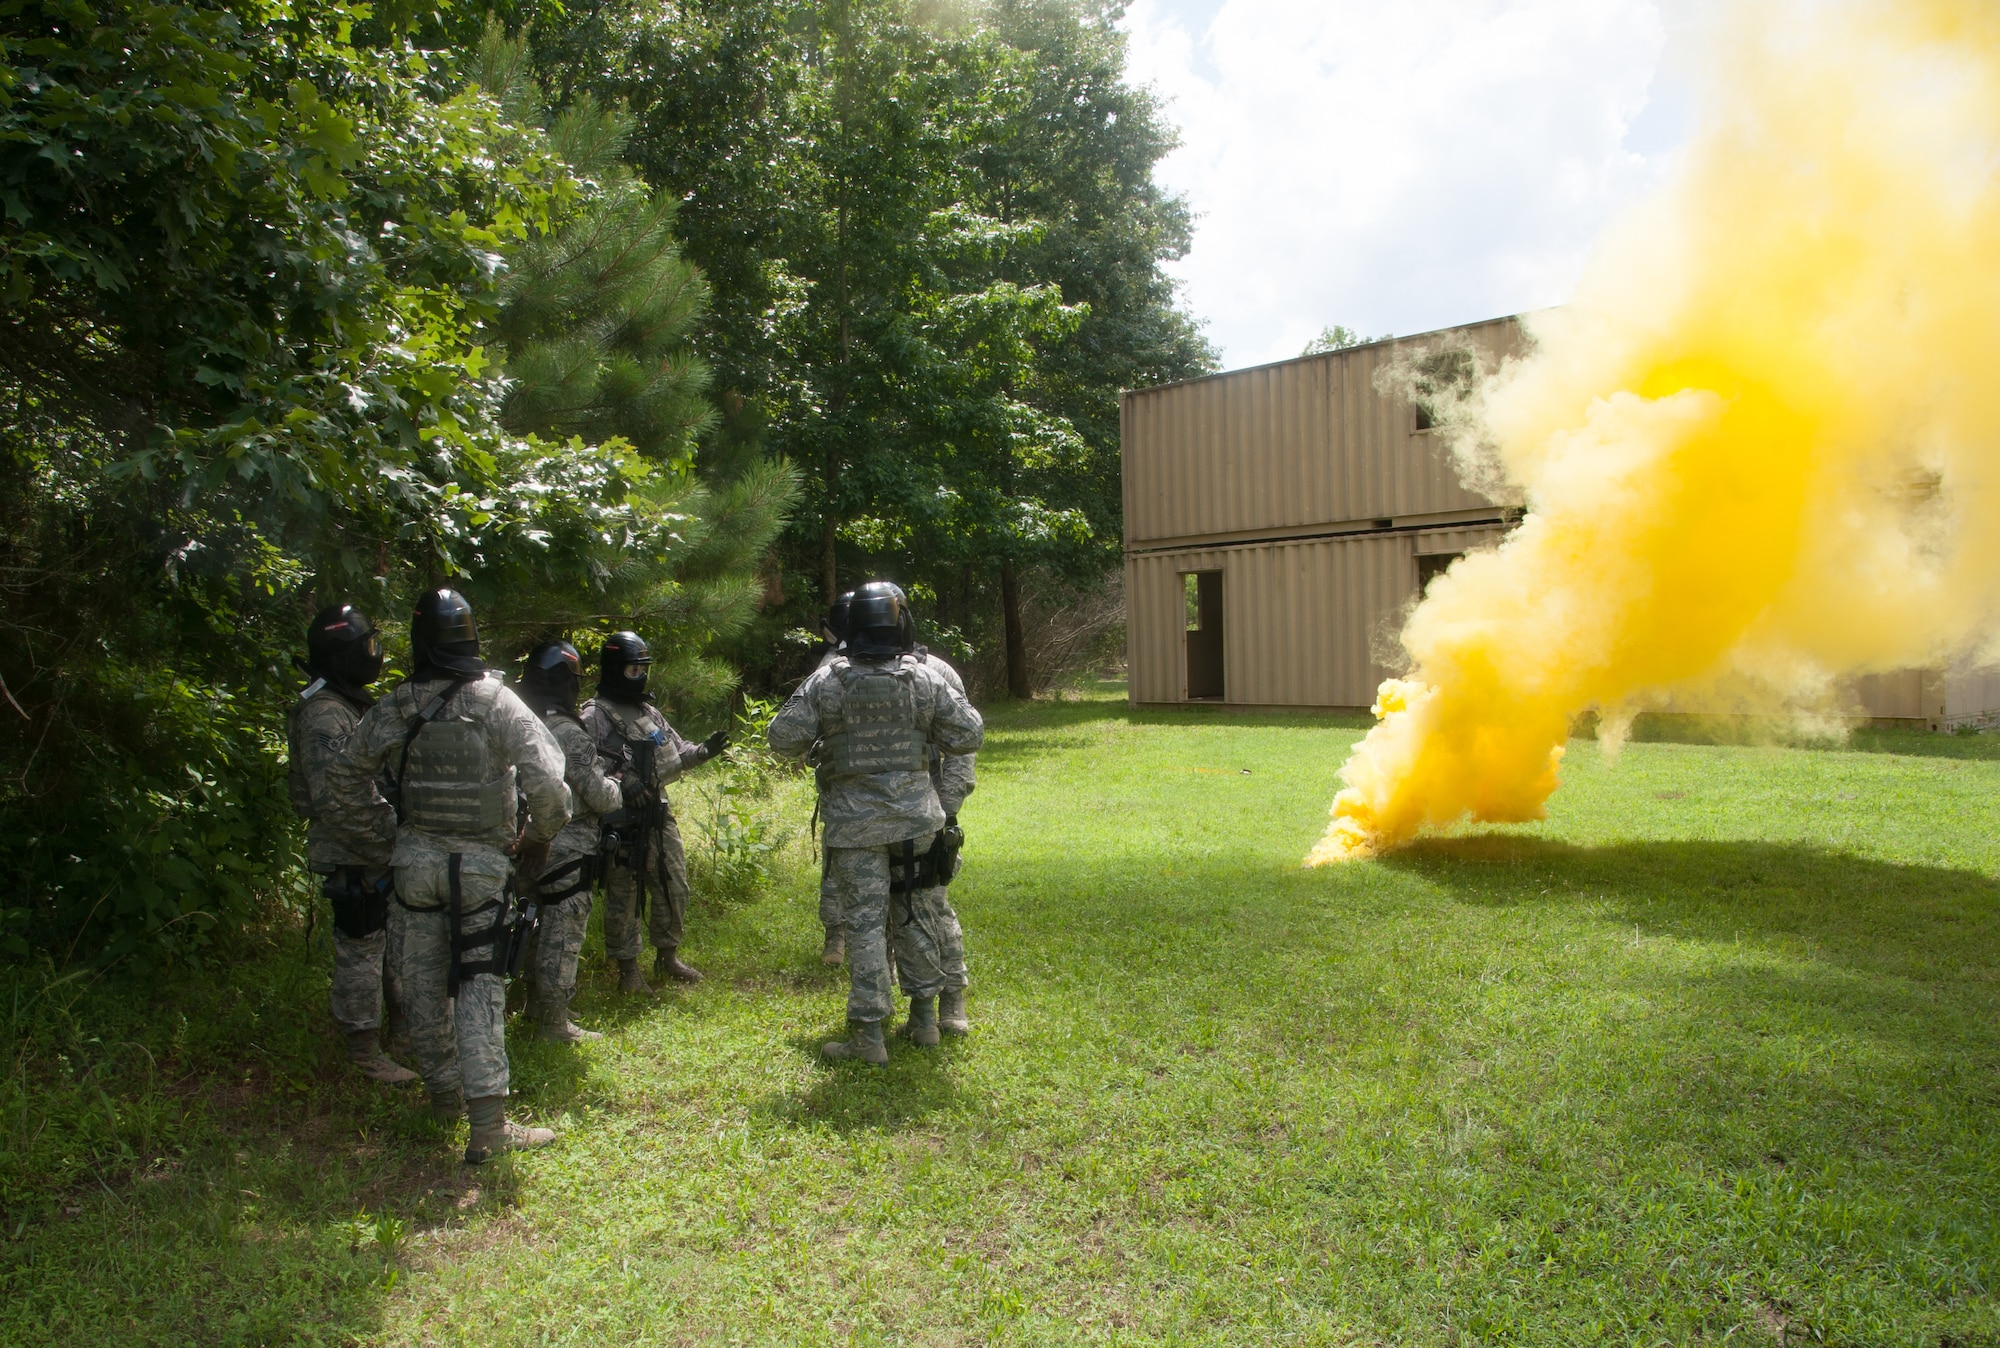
pixel 937 943
pixel 616 727
pixel 879 794
pixel 560 939
pixel 320 723
pixel 460 1042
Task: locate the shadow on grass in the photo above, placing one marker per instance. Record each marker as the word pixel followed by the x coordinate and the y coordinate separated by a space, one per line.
pixel 1877 915
pixel 848 1097
pixel 1688 728
pixel 221 1175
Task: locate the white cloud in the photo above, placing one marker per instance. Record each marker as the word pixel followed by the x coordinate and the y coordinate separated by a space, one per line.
pixel 1398 166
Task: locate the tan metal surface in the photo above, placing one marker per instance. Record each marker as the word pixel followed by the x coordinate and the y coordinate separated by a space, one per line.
pixel 1303 443
pixel 1444 542
pixel 1302 622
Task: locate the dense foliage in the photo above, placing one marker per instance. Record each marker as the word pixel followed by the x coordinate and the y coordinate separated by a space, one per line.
pixel 323 302
pixel 936 251
pixel 258 303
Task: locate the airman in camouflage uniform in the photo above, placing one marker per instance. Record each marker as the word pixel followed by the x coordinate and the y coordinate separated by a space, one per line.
pixel 873 715
pixel 344 656
pixel 938 943
pixel 550 690
pixel 465 753
pixel 834 949
pixel 647 877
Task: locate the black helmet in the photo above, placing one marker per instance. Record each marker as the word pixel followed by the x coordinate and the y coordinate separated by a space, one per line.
pixel 879 621
pixel 343 647
pixel 836 618
pixel 621 667
pixel 443 635
pixel 552 677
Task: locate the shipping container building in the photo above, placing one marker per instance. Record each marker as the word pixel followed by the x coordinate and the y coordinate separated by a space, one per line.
pixel 1281 521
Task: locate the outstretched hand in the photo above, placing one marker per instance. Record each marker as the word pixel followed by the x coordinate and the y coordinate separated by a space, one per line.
pixel 716 743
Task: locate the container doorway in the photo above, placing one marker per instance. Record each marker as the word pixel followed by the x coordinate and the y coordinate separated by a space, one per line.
pixel 1204 635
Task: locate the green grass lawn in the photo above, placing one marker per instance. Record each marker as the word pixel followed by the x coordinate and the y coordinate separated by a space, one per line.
pixel 1711 1055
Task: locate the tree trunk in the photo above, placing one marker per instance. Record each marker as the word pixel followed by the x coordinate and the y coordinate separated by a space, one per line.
pixel 829 575
pixel 1018 684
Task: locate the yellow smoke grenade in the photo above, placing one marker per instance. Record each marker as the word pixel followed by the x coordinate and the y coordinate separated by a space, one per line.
pixel 1760 450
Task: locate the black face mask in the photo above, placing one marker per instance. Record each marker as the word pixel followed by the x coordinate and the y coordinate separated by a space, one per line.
pixel 457 658
pixel 550 690
pixel 618 688
pixel 357 664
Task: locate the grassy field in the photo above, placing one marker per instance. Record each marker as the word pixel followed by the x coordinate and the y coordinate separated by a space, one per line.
pixel 1711 1055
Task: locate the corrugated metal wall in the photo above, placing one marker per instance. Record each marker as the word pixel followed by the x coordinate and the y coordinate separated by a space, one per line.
pixel 1302 622
pixel 1306 442
pixel 1312 443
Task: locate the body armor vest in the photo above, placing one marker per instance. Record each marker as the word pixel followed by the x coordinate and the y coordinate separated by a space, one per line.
pixel 450 786
pixel 879 714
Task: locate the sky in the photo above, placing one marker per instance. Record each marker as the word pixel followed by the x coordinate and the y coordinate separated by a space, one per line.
pixel 1395 166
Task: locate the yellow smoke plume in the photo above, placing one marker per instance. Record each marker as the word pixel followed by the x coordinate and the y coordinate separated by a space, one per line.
pixel 1761 448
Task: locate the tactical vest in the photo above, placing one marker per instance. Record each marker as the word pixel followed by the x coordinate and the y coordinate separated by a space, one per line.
pixel 450 785
pixel 879 731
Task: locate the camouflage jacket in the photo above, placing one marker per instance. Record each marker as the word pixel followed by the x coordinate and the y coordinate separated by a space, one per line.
pixel 876 808
pixel 591 792
pixel 618 726
pixel 516 743
pixel 317 731
pixel 952 775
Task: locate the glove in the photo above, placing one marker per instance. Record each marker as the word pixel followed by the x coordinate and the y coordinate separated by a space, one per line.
pixel 716 743
pixel 531 859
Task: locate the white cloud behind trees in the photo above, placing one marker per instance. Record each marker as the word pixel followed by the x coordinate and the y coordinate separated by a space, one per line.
pixel 1396 167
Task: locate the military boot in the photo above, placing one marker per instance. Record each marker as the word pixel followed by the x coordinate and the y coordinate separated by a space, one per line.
pixel 631 981
pixel 835 949
pixel 864 1042
pixel 364 1050
pixel 552 1022
pixel 922 1026
pixel 951 1012
pixel 667 964
pixel 492 1135
pixel 447 1107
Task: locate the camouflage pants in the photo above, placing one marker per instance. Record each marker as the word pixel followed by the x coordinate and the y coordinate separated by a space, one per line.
pixel 829 893
pixel 460 1043
pixel 929 944
pixel 364 982
pixel 559 943
pixel 666 897
pixel 862 874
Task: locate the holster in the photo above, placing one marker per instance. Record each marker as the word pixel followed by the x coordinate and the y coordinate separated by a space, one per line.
pixel 506 941
pixel 360 909
pixel 910 871
pixel 950 841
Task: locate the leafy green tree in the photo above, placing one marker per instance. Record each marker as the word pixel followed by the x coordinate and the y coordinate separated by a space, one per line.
pixel 1338 338
pixel 937 252
pixel 250 283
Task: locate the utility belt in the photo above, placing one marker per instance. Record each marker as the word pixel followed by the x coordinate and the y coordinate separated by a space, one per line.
pixel 911 870
pixel 360 906
pixel 581 873
pixel 506 941
pixel 623 844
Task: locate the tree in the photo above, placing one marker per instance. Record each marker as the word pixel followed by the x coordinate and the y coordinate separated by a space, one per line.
pixel 248 295
pixel 1338 338
pixel 937 256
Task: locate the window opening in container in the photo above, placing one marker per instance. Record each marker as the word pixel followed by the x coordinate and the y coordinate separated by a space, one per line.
pixel 1430 568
